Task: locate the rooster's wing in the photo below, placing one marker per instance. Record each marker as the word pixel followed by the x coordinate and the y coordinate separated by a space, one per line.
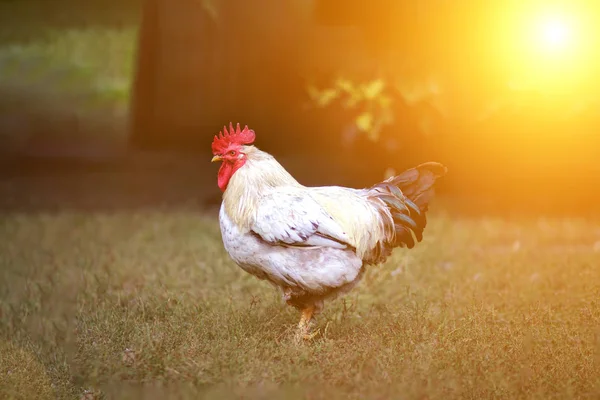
pixel 289 216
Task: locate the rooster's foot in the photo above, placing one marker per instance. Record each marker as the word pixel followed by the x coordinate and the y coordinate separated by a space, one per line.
pixel 310 335
pixel 304 331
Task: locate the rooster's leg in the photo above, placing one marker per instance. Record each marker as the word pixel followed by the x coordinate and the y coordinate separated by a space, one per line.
pixel 304 325
pixel 287 294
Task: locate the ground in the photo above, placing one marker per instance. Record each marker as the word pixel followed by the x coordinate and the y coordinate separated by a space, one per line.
pixel 146 303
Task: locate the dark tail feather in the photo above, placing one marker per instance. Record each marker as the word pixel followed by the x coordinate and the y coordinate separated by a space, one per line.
pixel 407 196
pixel 404 237
pixel 417 183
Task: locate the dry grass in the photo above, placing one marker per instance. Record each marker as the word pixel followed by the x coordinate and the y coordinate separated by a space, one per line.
pixel 147 304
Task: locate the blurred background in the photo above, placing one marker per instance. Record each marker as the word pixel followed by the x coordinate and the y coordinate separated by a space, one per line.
pixel 114 103
pixel 114 282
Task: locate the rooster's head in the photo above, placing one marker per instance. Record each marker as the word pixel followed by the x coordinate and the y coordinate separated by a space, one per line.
pixel 228 147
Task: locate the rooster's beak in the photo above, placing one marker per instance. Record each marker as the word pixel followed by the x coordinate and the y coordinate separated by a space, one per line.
pixel 216 158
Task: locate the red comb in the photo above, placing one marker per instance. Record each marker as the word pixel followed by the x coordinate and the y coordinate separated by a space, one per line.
pixel 240 136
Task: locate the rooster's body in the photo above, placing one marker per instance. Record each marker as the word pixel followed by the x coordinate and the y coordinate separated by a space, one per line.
pixel 313 242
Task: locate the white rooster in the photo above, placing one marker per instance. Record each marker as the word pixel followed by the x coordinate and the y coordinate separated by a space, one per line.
pixel 312 242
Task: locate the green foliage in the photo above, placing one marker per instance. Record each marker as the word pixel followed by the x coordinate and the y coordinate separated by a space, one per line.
pixel 147 304
pixel 94 62
pixel 368 100
pixel 212 8
pixel 66 69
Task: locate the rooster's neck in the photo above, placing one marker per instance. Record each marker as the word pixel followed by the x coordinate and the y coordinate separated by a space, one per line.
pixel 249 183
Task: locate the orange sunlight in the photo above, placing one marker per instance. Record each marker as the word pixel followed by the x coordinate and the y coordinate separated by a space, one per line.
pixel 551 48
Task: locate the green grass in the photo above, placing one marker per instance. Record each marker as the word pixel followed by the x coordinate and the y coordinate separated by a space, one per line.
pixel 65 61
pixel 92 64
pixel 147 304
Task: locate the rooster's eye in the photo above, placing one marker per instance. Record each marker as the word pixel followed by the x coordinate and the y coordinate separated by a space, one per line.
pixel 232 153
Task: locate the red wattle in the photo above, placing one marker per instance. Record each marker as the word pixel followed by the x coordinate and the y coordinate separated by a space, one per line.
pixel 226 172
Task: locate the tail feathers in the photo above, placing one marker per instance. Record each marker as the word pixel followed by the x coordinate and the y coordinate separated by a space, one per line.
pixel 407 197
pixel 417 183
pixel 407 217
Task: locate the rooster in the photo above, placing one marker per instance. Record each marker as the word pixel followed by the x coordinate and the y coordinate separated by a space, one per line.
pixel 312 242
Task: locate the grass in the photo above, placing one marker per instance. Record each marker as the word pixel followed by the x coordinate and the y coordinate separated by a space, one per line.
pixel 66 66
pixel 90 64
pixel 146 304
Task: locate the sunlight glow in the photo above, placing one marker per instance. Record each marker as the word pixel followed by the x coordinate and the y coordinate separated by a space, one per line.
pixel 554 33
pixel 550 47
